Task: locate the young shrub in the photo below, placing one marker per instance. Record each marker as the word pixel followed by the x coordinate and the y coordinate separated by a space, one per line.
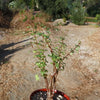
pixel 42 44
pixel 78 13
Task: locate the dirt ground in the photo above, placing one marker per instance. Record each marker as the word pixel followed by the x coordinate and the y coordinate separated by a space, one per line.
pixel 81 78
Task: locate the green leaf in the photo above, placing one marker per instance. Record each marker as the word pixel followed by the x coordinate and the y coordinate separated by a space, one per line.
pixel 25 19
pixel 47 28
pixel 37 77
pixel 58 58
pixel 28 26
pixel 33 33
pixel 42 73
pixel 38 56
pixel 56 29
pixel 79 42
pixel 32 18
pixel 46 36
pixel 40 34
pixel 71 53
pixel 62 38
pixel 43 64
pixel 48 32
pixel 57 65
pixel 56 47
pixel 44 26
pixel 38 63
pixel 34 51
pixel 77 49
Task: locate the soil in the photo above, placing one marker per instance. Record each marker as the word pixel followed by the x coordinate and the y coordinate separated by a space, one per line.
pixel 42 95
pixel 81 78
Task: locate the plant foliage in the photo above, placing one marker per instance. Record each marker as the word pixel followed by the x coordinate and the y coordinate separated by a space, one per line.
pixel 17 5
pixel 78 13
pixel 4 4
pixel 45 49
pixel 55 8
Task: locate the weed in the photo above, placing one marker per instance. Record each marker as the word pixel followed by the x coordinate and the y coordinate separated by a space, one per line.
pixel 25 19
pixel 32 18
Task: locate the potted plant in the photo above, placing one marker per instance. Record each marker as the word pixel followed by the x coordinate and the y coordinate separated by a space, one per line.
pixel 57 54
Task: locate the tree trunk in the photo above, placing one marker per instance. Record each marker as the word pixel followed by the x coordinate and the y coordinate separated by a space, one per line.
pixel 51 87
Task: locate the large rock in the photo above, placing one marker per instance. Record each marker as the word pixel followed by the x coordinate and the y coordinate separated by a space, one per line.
pixel 58 22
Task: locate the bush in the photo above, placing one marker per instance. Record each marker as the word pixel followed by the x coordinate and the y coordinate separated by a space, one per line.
pixel 93 10
pixel 98 17
pixel 42 44
pixel 78 13
pixel 4 5
pixel 17 5
pixel 55 8
pixel 98 23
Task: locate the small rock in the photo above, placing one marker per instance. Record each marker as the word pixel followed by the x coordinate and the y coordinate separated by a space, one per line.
pixel 41 98
pixel 60 97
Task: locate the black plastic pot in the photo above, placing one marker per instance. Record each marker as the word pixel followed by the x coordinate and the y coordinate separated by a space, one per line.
pixel 41 94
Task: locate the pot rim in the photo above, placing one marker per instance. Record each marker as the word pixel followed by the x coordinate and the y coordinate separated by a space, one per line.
pixel 44 89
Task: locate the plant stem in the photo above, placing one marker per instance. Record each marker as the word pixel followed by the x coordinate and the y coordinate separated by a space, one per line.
pixel 69 52
pixel 46 81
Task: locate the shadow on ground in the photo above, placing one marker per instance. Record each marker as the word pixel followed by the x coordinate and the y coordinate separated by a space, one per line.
pixel 6 53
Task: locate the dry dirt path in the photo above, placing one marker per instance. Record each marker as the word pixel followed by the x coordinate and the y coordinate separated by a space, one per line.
pixel 80 80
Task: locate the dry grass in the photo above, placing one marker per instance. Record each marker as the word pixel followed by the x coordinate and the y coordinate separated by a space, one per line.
pixel 24 19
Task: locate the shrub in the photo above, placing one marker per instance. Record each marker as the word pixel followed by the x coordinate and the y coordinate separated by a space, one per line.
pixel 42 43
pixel 55 8
pixel 4 5
pixel 32 4
pixel 17 5
pixel 98 19
pixel 98 23
pixel 93 10
pixel 78 13
pixel 98 16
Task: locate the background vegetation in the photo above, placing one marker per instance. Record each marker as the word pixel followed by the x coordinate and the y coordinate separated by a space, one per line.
pixel 75 10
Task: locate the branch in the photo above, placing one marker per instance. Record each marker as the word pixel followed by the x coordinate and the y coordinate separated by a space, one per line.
pixel 70 52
